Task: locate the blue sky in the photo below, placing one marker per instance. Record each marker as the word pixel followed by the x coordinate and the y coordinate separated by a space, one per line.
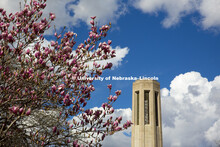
pixel 176 41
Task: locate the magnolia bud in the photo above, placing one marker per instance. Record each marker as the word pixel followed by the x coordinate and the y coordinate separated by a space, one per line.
pixel 28 112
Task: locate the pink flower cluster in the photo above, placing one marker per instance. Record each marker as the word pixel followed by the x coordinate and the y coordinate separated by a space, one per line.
pixel 48 78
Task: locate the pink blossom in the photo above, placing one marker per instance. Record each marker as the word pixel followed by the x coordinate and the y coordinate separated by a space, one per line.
pixel 75 142
pixel 73 62
pixel 99 72
pixel 103 105
pixel 51 69
pixel 52 16
pixel 67 96
pixel 119 118
pixel 92 22
pixel 61 87
pixel 18 24
pixel 4 34
pixel 114 98
pixel 37 54
pixel 109 86
pixel 67 101
pixel 74 69
pixel 118 92
pixel 82 100
pixel 10 37
pixel 58 36
pixel 53 88
pixel 118 128
pixel 62 93
pixel 93 17
pixel 15 109
pixel 110 98
pixel 42 77
pixel 109 66
pixel 52 43
pixel 28 111
pixel 103 136
pixel 127 124
pixel 112 110
pixel 1 53
pixel 87 46
pixel 28 51
pixel 40 61
pixel 40 13
pixel 54 129
pixel 21 110
pixel 30 71
pixel 109 42
pixel 84 104
pixel 63 73
pixel 115 123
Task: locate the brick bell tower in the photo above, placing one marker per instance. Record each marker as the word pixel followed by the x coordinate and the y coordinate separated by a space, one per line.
pixel 146 114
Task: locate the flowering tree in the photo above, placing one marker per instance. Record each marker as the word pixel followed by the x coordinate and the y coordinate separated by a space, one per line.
pixel 42 99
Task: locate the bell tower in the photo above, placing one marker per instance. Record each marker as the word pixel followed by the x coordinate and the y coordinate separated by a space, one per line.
pixel 146 114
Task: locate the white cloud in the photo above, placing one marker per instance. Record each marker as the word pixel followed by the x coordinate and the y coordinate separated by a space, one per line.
pixel 164 92
pixel 189 111
pixel 175 9
pixel 213 134
pixel 10 6
pixel 106 11
pixel 208 10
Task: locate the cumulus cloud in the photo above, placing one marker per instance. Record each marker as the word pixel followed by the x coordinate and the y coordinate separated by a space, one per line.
pixel 72 12
pixel 213 134
pixel 190 111
pixel 176 10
